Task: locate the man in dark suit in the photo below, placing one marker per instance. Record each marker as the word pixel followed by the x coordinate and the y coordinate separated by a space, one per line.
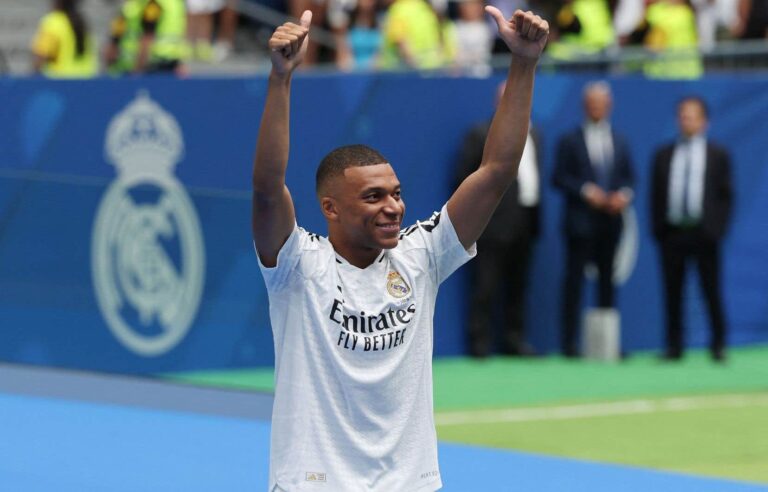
pixel 499 273
pixel 593 169
pixel 691 199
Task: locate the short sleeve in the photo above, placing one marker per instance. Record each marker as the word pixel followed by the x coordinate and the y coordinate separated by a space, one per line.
pixel 279 276
pixel 438 236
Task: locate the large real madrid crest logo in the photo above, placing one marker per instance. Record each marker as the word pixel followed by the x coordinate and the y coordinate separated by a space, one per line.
pixel 147 255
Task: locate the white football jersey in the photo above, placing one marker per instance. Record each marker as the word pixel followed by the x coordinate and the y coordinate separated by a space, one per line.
pixel 353 362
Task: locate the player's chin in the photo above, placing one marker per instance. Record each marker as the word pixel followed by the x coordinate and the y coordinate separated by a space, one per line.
pixel 387 238
pixel 389 243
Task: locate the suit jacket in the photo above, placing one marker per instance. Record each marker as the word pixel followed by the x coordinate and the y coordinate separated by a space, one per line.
pixel 510 221
pixel 718 192
pixel 573 169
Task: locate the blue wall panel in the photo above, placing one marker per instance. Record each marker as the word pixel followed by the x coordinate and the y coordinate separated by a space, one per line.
pixel 55 171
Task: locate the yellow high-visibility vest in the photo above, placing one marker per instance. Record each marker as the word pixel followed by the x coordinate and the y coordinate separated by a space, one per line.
pixel 414 22
pixel 170 34
pixel 672 33
pixel 596 32
pixel 170 31
pixel 55 41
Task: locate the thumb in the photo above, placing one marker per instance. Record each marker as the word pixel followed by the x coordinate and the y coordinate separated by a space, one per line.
pixel 306 18
pixel 497 15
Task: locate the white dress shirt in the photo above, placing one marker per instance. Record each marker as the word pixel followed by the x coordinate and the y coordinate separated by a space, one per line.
pixel 599 141
pixel 686 181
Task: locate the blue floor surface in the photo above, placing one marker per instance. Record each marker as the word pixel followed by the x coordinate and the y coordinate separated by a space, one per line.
pixel 55 445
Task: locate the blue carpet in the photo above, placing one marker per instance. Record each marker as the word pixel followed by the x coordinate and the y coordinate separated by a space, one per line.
pixel 475 469
pixel 53 445
pixel 62 446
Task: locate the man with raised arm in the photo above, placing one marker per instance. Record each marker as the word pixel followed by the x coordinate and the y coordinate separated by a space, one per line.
pixel 352 313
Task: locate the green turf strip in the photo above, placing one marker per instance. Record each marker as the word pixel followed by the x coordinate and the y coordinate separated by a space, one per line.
pixel 462 383
pixel 727 442
pixel 722 442
pixel 261 379
pixel 505 382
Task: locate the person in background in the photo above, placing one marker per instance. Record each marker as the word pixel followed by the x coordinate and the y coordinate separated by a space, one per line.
pixel 201 15
pixel 691 200
pixel 474 39
pixel 627 15
pixel 359 38
pixel 499 274
pixel 708 20
pixel 669 30
pixel 62 46
pixel 225 33
pixel 413 36
pixel 593 169
pixel 752 20
pixel 148 36
pixel 584 28
pixel 751 24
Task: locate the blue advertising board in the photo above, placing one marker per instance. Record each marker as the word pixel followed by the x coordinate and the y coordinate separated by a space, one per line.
pixel 125 240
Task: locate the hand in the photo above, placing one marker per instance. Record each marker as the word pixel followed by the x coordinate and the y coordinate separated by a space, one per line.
pixel 289 43
pixel 525 34
pixel 617 202
pixel 595 196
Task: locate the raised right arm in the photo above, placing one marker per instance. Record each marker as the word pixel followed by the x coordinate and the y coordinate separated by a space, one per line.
pixel 273 214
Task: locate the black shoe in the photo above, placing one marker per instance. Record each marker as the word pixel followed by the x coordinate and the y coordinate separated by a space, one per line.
pixel 624 355
pixel 479 353
pixel 571 354
pixel 670 356
pixel 718 355
pixel 523 350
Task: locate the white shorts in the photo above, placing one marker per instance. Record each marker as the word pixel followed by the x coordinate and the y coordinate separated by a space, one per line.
pixel 204 6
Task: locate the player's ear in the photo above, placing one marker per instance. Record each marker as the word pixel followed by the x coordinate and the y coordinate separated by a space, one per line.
pixel 329 207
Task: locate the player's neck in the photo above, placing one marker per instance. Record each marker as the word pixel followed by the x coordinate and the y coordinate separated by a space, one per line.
pixel 360 257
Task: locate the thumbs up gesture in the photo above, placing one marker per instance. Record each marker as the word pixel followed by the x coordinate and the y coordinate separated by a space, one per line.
pixel 289 43
pixel 525 33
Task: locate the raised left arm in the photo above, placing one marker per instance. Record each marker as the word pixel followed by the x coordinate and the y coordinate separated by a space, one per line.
pixel 471 206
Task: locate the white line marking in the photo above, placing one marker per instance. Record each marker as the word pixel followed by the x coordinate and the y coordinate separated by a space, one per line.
pixel 590 410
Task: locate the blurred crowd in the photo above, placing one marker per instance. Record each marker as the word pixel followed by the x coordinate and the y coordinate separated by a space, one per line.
pixel 456 34
pixel 453 35
pixel 145 36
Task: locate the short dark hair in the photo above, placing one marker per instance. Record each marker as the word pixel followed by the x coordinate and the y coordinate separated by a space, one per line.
pixel 696 100
pixel 341 158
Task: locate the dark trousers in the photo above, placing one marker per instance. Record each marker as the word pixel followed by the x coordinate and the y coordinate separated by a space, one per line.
pixel 600 248
pixel 499 277
pixel 678 247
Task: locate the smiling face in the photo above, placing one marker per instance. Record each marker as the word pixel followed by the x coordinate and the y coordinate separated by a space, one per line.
pixel 364 211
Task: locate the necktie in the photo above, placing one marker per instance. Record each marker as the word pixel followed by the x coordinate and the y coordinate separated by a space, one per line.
pixel 687 165
pixel 604 159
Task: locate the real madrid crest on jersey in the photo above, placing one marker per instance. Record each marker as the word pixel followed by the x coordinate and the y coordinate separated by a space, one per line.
pixel 396 285
pixel 147 255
